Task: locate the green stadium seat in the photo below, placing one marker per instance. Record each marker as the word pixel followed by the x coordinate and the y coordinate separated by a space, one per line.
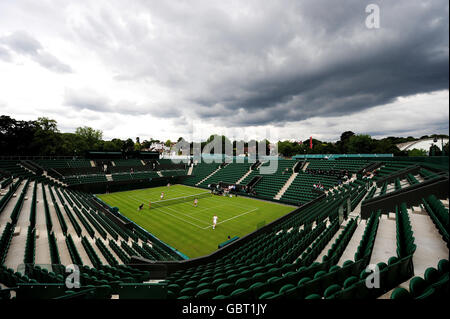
pixel 401 294
pixel 205 294
pixel 350 281
pixel 427 294
pixel 417 286
pixel 225 289
pixel 331 290
pixel 267 295
pixel 443 266
pixel 431 276
pixel 190 291
pixel 313 296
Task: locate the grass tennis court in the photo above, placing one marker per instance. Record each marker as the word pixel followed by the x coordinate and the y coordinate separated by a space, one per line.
pixel 188 228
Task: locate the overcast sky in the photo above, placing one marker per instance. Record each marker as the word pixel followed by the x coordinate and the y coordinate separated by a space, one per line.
pixel 246 69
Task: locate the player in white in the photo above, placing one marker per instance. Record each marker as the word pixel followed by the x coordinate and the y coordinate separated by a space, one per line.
pixel 162 195
pixel 214 221
pixel 195 202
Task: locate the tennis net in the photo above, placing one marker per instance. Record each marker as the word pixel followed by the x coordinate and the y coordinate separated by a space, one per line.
pixel 177 200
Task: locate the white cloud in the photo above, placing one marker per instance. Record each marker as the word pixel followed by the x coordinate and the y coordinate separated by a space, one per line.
pixel 23 43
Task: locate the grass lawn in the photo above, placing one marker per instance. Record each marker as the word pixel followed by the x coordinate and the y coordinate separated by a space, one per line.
pixel 188 228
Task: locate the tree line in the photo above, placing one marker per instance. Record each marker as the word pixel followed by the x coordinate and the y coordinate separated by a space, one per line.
pixel 42 137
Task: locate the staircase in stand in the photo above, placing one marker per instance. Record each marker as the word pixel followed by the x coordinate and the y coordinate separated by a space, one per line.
pixel 208 176
pixel 286 186
pixel 305 166
pixel 243 177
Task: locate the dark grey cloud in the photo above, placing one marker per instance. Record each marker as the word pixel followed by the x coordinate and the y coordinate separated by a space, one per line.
pixel 51 62
pixel 89 99
pixel 23 43
pixel 246 63
pixel 408 55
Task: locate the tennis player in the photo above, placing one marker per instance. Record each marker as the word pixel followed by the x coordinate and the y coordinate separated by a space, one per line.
pixel 195 202
pixel 162 195
pixel 214 221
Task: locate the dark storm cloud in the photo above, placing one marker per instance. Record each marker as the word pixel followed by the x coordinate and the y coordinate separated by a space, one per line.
pixel 406 56
pixel 23 43
pixel 248 63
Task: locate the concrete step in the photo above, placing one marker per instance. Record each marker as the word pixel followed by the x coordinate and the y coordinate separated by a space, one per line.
pixel 305 166
pixel 7 210
pixel 208 176
pixel 430 246
pixel 285 186
pixel 243 177
pixel 331 242
pixel 350 250
pixel 385 245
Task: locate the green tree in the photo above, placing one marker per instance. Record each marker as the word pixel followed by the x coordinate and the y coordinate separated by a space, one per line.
pixel 15 137
pixel 386 146
pixel 435 150
pixel 446 149
pixel 417 152
pixel 89 133
pixel 47 124
pixel 91 137
pixel 146 144
pixel 342 144
pixel 73 145
pixel 47 139
pixel 128 145
pixel 360 143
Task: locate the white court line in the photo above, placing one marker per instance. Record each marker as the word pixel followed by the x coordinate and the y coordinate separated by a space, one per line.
pixel 245 213
pixel 181 219
pixel 179 214
pixel 204 209
pixel 187 215
pixel 238 205
pixel 177 192
pixel 137 199
pixel 196 211
pixel 233 217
